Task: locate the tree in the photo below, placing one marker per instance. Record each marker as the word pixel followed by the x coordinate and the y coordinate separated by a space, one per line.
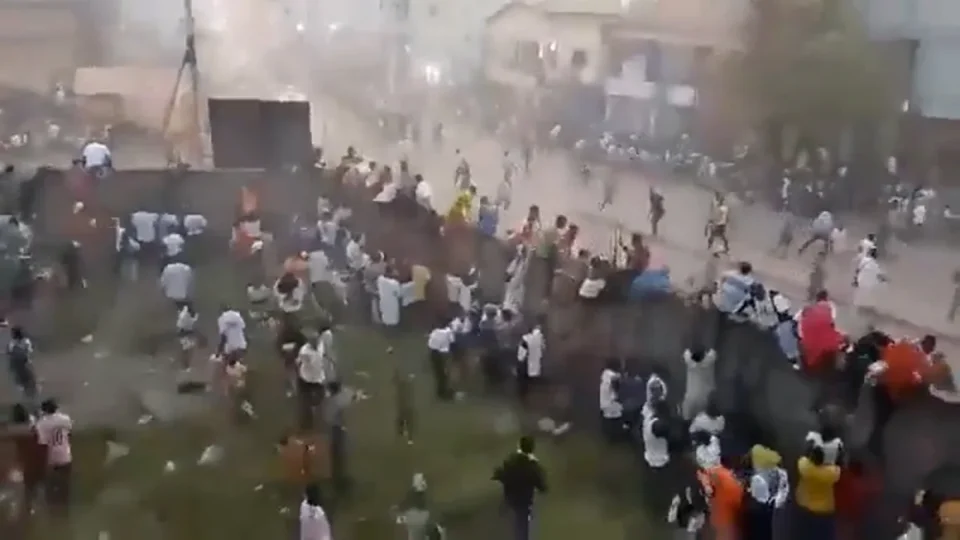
pixel 808 67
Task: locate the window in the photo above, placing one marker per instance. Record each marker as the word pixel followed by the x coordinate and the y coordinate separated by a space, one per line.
pixel 527 56
pixel 579 59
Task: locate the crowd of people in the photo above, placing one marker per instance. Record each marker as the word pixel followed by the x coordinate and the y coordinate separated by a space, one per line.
pixel 707 470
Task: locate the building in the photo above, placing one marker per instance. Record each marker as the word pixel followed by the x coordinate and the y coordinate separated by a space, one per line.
pixel 42 42
pixel 930 30
pixel 446 36
pixel 532 43
pixel 658 56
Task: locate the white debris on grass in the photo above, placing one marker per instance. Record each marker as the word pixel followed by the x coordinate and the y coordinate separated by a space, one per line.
pixel 211 455
pixel 115 451
pixel 546 425
pixel 145 419
pixel 169 467
pixel 87 339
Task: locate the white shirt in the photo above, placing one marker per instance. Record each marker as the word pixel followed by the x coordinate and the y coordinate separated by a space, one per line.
pixel 53 431
pixel 314 524
pixel 145 225
pixel 458 293
pixel 186 321
pixel 293 302
pixel 610 406
pixel 318 266
pixel 231 327
pixel 95 154
pixel 176 280
pixel 711 424
pixel 869 273
pixel 389 294
pixel 173 244
pixel 708 455
pixel 311 364
pixel 387 194
pixel 328 232
pixel 440 339
pixel 590 288
pixel 168 222
pixel 424 194
pixel 831 448
pixel 656 452
pixel 760 488
pixel 865 246
pixel 195 224
pixel 919 214
pixel 531 351
pixel 356 258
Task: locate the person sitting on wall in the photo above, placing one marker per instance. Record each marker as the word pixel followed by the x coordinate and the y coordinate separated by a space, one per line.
pixel 97 160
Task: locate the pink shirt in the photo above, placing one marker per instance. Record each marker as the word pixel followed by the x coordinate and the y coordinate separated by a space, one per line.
pixel 53 431
pixel 313 523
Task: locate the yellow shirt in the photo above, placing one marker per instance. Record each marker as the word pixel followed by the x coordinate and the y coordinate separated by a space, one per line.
pixel 420 275
pixel 461 206
pixel 815 487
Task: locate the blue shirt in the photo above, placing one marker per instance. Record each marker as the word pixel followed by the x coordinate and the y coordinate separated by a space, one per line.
pixel 487 220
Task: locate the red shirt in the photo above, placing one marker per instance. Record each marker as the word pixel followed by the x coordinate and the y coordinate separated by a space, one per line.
pixel 819 337
pixel 854 492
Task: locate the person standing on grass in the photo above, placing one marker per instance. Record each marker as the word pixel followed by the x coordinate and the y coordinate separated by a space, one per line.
pixel 815 498
pixel 521 476
pixel 439 342
pixel 53 432
pixel 311 378
pixel 232 330
pixel 176 281
pixel 405 412
pixel 186 333
pixel 314 524
pixel 530 360
pixel 701 381
pixel 20 356
pixel 389 294
pixel 334 411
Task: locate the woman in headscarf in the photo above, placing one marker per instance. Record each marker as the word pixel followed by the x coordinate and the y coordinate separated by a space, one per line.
pixel 768 490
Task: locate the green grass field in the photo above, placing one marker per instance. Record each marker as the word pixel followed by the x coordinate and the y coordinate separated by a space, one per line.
pixel 594 491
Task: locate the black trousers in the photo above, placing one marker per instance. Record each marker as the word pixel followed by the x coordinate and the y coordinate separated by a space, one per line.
pixel 441 379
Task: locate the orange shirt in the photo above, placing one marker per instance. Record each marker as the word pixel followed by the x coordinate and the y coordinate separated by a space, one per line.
pixel 727 499
pixel 906 368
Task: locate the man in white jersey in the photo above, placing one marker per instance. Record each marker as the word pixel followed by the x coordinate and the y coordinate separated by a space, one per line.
pixel 53 432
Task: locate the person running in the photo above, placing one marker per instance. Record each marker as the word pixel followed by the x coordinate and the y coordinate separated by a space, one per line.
pixel 717 226
pixel 521 476
pixel 609 189
pixel 657 210
pixel 20 356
